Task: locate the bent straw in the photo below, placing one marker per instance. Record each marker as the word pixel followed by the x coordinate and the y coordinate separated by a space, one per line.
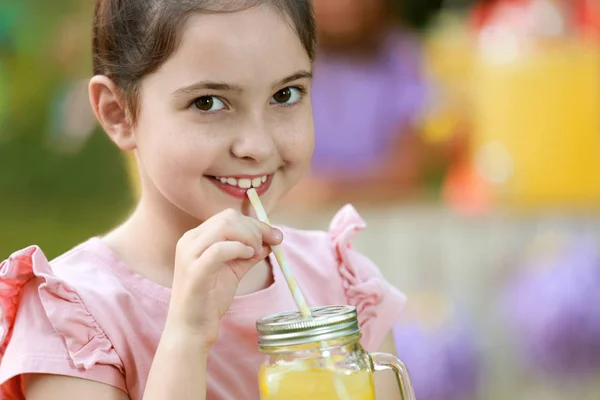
pixel 280 257
pixel 339 387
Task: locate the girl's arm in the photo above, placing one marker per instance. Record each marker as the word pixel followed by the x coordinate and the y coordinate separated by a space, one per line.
pixel 50 387
pixel 395 176
pixel 401 174
pixel 179 368
pixel 178 372
pixel 388 179
pixel 209 263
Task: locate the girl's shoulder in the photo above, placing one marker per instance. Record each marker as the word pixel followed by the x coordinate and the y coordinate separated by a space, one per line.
pixel 320 251
pixel 326 263
pixel 331 251
pixel 45 324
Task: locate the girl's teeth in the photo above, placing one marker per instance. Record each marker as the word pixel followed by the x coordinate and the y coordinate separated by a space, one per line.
pixel 244 183
pixel 256 182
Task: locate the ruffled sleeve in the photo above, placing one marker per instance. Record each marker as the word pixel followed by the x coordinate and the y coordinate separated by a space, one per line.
pixel 377 302
pixel 45 328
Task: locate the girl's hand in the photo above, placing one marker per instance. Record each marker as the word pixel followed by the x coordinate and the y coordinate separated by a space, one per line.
pixel 210 261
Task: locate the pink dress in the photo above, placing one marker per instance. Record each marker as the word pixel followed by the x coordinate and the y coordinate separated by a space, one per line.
pixel 87 315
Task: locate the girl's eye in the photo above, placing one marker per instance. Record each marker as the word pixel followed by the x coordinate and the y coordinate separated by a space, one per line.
pixel 208 103
pixel 287 96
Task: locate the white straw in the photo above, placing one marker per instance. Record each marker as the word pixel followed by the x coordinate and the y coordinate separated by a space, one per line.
pixel 278 251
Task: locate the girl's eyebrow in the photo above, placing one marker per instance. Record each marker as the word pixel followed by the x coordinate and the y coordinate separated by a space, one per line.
pixel 227 87
pixel 302 74
pixel 207 85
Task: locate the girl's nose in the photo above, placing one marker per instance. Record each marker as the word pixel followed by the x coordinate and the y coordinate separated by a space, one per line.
pixel 254 143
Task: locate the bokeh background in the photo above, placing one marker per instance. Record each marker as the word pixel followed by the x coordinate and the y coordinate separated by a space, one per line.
pixel 466 133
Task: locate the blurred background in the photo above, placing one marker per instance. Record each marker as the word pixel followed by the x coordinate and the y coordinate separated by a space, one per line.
pixel 466 133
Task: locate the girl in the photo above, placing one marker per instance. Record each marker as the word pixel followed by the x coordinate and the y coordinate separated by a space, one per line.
pixel 213 98
pixel 369 95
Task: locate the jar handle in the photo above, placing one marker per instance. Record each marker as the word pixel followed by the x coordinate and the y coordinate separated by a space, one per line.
pixel 382 362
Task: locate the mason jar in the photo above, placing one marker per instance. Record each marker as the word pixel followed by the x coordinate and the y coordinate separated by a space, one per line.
pixel 321 358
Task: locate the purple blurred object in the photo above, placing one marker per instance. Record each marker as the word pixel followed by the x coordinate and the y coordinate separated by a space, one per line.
pixel 360 105
pixel 554 310
pixel 443 363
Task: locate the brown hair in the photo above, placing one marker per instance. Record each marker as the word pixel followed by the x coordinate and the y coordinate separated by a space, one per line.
pixel 133 38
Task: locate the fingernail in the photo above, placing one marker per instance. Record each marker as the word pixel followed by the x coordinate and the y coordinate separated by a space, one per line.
pixel 251 251
pixel 277 234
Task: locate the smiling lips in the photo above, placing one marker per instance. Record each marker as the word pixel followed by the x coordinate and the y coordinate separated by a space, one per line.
pixel 237 186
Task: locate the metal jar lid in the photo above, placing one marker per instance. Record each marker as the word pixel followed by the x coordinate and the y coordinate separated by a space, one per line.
pixel 291 329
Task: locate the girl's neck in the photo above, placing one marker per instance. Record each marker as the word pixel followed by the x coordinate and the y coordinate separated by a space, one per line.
pixel 147 242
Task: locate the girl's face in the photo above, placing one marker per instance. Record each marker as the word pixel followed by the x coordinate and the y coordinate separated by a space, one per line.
pixel 229 110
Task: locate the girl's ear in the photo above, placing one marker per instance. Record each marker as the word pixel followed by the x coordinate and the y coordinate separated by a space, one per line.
pixel 111 112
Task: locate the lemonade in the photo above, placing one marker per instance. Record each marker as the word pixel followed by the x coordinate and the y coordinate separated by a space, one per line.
pixel 321 358
pixel 282 383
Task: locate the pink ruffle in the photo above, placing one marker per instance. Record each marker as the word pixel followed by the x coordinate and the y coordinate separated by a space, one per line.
pixel 86 342
pixel 363 283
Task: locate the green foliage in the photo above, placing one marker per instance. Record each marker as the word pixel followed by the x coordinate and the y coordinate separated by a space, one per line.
pixel 52 199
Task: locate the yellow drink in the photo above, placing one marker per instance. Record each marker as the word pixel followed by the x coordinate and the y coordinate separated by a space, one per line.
pixel 285 383
pixel 299 365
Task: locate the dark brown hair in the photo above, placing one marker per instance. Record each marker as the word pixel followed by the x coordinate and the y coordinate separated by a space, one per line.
pixel 133 38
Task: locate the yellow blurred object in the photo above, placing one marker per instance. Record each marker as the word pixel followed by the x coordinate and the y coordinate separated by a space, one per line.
pixel 537 125
pixel 281 383
pixel 449 53
pixel 132 172
pixel 439 125
pixel 447 61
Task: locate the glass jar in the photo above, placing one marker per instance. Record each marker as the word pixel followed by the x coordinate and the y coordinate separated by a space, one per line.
pixel 320 358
